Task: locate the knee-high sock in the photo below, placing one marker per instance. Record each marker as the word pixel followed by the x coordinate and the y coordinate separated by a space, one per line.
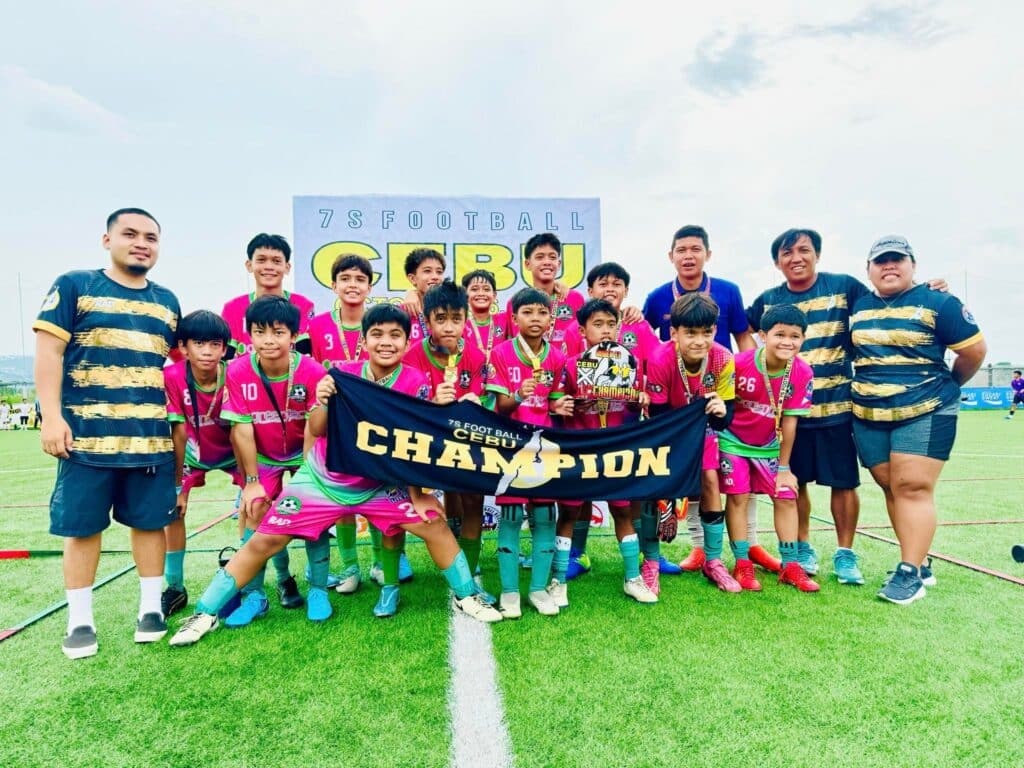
pixel 174 569
pixel 713 525
pixel 346 530
pixel 693 524
pixel 543 545
pixel 629 548
pixel 740 549
pixel 752 520
pixel 256 585
pixel 281 562
pixel 216 596
pixel 471 547
pixel 389 563
pixel 649 542
pixel 460 577
pixel 319 555
pixel 580 532
pixel 375 543
pixel 509 528
pixel 561 562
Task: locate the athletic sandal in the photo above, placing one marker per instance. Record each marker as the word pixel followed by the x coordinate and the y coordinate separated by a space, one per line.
pixel 559 593
pixel 795 574
pixel 543 602
pixel 80 643
pixel 694 561
pixel 349 581
pixel 172 601
pixel 510 605
pixel 150 628
pixel 761 557
pixel 192 631
pixel 638 590
pixel 743 572
pixel 649 572
pixel 716 572
pixel 477 608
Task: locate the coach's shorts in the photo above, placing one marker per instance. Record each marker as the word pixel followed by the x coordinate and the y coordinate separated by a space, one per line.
pixel 743 474
pixel 84 495
pixel 826 456
pixel 194 477
pixel 931 435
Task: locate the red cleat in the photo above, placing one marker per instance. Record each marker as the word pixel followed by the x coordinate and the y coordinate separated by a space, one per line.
pixel 744 575
pixel 694 561
pixel 760 556
pixel 795 575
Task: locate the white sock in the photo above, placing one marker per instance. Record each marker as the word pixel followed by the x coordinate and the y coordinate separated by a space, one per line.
pixel 80 608
pixel 693 524
pixel 150 588
pixel 752 520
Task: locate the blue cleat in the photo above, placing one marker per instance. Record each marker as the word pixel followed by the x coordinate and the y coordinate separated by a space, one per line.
pixel 579 563
pixel 667 567
pixel 254 606
pixel 404 569
pixel 846 565
pixel 387 603
pixel 333 579
pixel 318 606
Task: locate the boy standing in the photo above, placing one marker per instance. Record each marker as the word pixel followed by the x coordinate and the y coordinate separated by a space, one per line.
pixel 1017 387
pixel 425 268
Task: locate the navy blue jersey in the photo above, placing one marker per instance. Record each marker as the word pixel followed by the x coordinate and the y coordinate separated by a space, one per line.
pixel 731 321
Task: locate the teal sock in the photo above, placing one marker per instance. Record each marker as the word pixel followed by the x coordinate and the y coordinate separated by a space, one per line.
pixel 790 551
pixel 459 577
pixel 509 527
pixel 650 545
pixel 347 543
pixel 740 550
pixel 256 585
pixel 561 562
pixel 281 563
pixel 319 555
pixel 216 596
pixel 543 545
pixel 713 534
pixel 471 548
pixel 174 569
pixel 802 546
pixel 629 547
pixel 375 543
pixel 580 532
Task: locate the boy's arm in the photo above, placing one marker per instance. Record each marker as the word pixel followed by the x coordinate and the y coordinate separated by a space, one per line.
pixel 243 440
pixel 178 439
pixel 785 477
pixel 424 502
pixel 504 403
pixel 718 423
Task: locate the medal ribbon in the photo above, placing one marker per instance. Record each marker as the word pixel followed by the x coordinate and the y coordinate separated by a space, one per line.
pixel 776 405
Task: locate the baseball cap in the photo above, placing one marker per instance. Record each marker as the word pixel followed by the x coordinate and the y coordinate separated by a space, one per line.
pixel 890 244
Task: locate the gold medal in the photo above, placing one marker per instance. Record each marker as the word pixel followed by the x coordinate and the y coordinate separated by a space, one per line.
pixel 451 370
pixel 602 412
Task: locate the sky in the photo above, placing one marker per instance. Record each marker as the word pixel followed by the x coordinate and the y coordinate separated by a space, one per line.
pixel 855 119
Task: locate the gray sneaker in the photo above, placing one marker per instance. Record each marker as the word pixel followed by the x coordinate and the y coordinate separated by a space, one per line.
pixel 927 577
pixel 904 586
pixel 80 643
pixel 150 628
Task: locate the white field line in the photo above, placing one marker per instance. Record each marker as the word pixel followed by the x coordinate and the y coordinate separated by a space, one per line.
pixel 480 736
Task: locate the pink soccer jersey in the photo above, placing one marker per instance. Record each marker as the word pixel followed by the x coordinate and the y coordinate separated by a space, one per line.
pixel 234 315
pixel 470 368
pixel 665 384
pixel 246 402
pixel 588 417
pixel 511 365
pixel 563 319
pixel 418 329
pixel 752 432
pixel 487 336
pixel 333 343
pixel 639 339
pixel 210 447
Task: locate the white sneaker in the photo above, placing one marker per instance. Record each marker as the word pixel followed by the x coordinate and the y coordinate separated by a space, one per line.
pixel 509 605
pixel 477 608
pixel 350 581
pixel 195 626
pixel 377 574
pixel 543 602
pixel 559 593
pixel 639 591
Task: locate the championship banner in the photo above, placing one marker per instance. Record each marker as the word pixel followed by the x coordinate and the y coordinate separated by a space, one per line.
pixel 395 438
pixel 472 233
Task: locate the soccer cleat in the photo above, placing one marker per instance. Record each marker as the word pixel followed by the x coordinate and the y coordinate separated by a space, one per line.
pixel 192 631
pixel 509 605
pixel 404 569
pixel 904 587
pixel 387 603
pixel 486 596
pixel 559 593
pixel 794 573
pixel 716 572
pixel 350 580
pixel 333 579
pixel 926 573
pixel 667 567
pixel 743 572
pixel 80 643
pixel 288 593
pixel 579 563
pixel 150 628
pixel 639 591
pixel 846 565
pixel 808 558
pixel 543 602
pixel 173 600
pixel 761 557
pixel 318 605
pixel 477 608
pixel 377 574
pixel 694 561
pixel 649 571
pixel 254 606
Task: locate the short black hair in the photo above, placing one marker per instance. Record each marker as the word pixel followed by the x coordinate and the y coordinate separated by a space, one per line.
pixel 594 306
pixel 381 314
pixel 788 239
pixel 203 325
pixel 418 255
pixel 694 310
pixel 273 242
pixel 351 261
pixel 445 295
pixel 527 296
pixel 607 269
pixel 543 238
pixel 1019 373
pixel 112 218
pixel 479 274
pixel 269 310
pixel 783 314
pixel 690 230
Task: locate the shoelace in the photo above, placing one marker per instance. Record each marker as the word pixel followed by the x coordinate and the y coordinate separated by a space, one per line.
pixel 190 622
pixel 846 560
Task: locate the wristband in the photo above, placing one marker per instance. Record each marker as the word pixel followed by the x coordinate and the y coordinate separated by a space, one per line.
pixel 252 479
pixel 783 468
pixel 177 490
pixel 519 398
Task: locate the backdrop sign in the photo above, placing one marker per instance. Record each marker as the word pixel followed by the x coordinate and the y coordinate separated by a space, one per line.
pixel 982 398
pixel 472 233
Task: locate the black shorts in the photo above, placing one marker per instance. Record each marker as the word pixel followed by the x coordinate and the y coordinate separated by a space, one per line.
pixel 826 456
pixel 1018 398
pixel 83 496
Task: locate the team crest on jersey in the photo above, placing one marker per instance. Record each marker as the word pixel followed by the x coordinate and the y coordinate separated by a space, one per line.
pixel 629 340
pixel 423 393
pixel 656 388
pixel 546 378
pixel 564 312
pixel 967 315
pixel 396 495
pixel 51 301
pixel 726 466
pixel 289 505
pixel 464 379
pixel 708 382
pixel 773 465
pixel 787 391
pixel 298 393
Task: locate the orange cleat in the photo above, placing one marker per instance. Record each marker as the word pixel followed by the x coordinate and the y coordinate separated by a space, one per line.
pixel 760 556
pixel 694 561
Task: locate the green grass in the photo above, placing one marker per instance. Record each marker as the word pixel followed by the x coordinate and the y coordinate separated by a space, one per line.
pixel 775 679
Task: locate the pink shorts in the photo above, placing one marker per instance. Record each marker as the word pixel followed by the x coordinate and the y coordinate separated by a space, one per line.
pixel 271 478
pixel 304 511
pixel 193 477
pixel 615 503
pixel 743 474
pixel 709 462
pixel 509 500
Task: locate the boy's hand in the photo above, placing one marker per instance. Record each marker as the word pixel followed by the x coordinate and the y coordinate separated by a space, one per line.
pixel 561 289
pixel 55 435
pixel 471 396
pixel 181 504
pixel 325 389
pixel 422 503
pixel 644 400
pixel 563 406
pixel 786 479
pixel 444 393
pixel 411 302
pixel 527 388
pixel 715 405
pixel 938 284
pixel 252 493
pixel 631 315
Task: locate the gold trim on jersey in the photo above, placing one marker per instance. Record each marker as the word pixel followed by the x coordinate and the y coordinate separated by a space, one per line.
pixel 920 314
pixel 112 445
pixel 830 382
pixel 52 329
pixel 833 301
pixel 117 377
pixel 825 329
pixel 967 342
pixel 878 390
pixel 899 413
pixel 128 307
pixel 891 337
pixel 119 411
pixel 116 338
pixel 823 356
pixel 892 360
pixel 821 410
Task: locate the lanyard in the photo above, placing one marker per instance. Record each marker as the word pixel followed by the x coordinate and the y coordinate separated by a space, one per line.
pixel 690 396
pixel 491 333
pixel 344 342
pixel 269 389
pixel 776 405
pixel 534 357
pixel 676 294
pixel 385 381
pixel 190 382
